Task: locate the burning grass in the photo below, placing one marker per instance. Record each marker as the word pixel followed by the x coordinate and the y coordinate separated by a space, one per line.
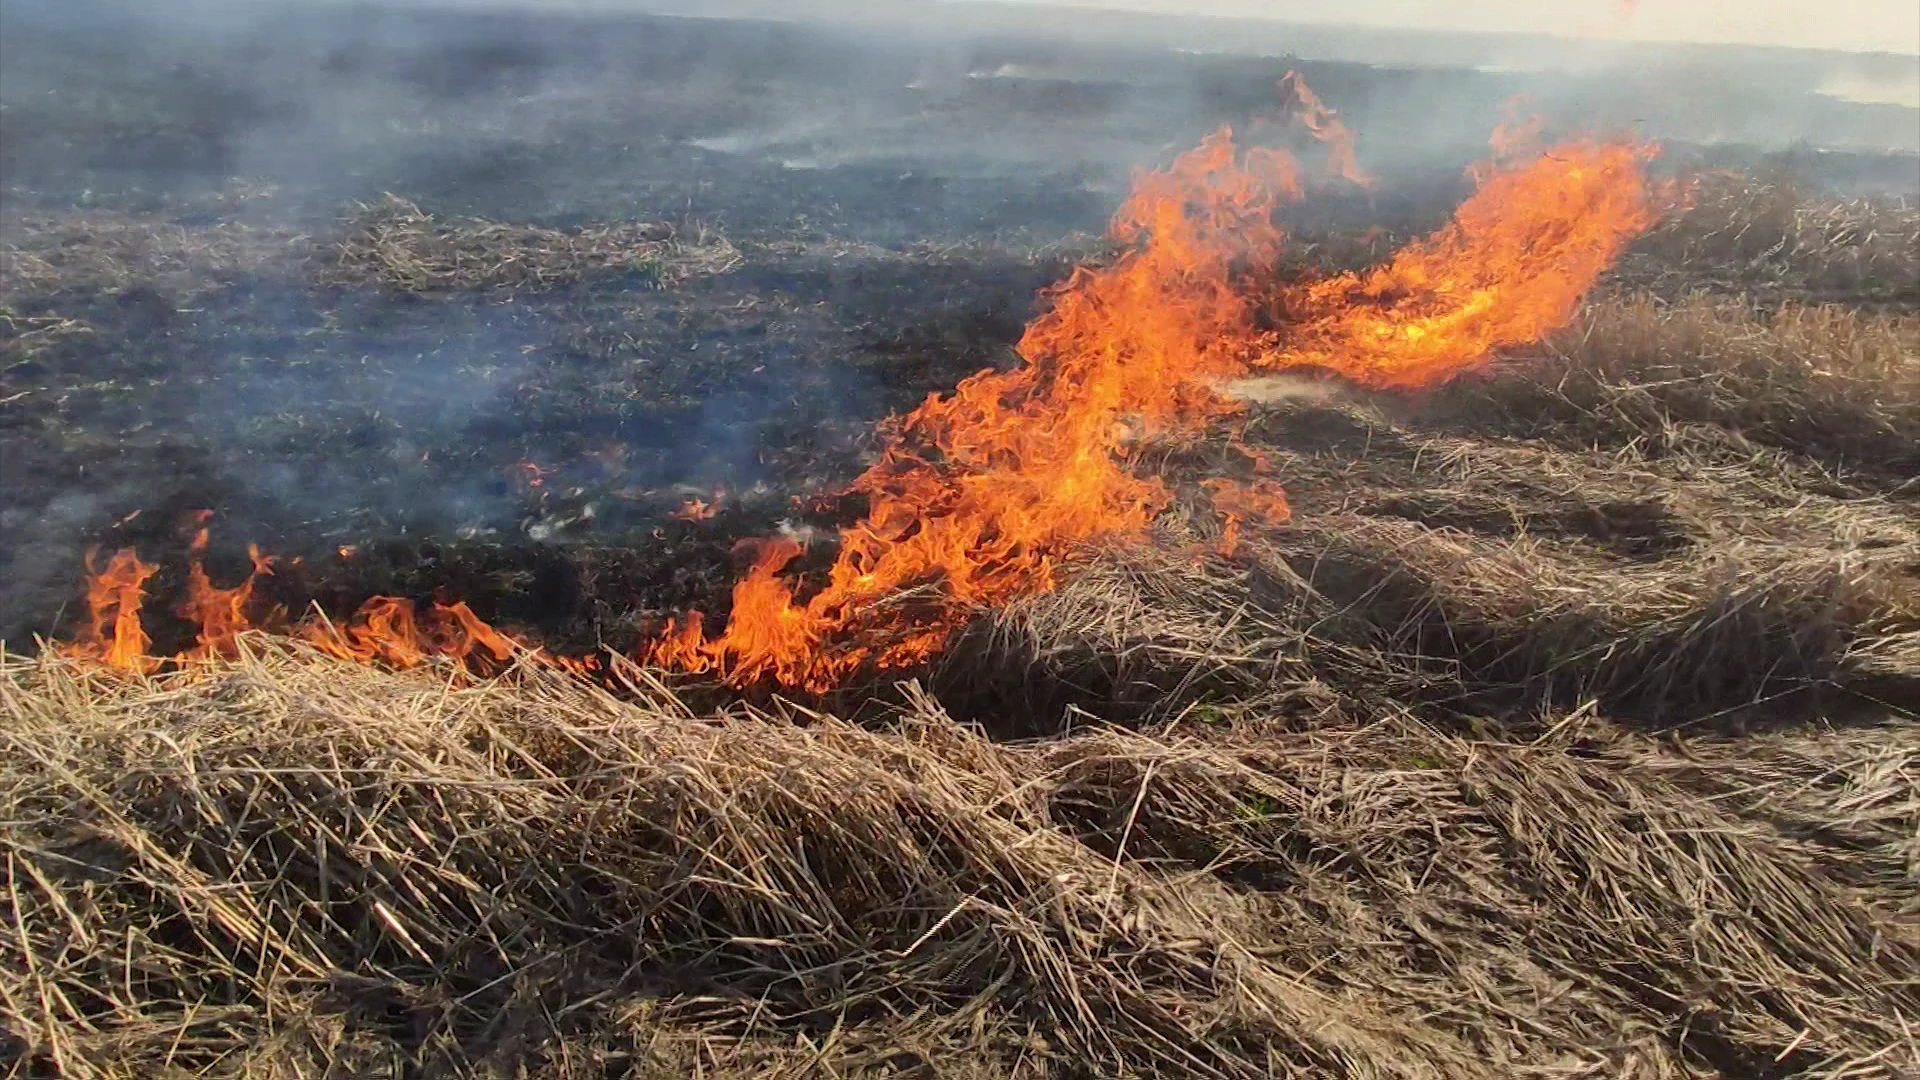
pixel 297 866
pixel 1556 723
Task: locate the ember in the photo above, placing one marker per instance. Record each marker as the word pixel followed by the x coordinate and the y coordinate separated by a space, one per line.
pixel 698 509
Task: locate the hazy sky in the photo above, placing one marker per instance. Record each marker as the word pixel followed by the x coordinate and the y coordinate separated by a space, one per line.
pixel 1880 25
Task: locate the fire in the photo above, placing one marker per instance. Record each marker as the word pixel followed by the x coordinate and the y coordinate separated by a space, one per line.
pixel 386 629
pixel 698 509
pixel 529 475
pixel 979 496
pixel 113 634
pixel 1511 266
pixel 1325 125
pixel 220 613
pixel 1237 501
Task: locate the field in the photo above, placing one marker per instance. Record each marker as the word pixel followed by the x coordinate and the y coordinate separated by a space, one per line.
pixel 1565 723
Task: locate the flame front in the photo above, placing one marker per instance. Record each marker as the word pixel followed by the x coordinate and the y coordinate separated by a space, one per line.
pixel 386 629
pixel 1511 266
pixel 978 496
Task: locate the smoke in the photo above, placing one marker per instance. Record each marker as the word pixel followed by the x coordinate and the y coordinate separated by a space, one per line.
pixel 901 188
pixel 1891 26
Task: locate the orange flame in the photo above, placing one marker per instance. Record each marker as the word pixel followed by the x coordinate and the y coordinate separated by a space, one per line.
pixel 1324 124
pixel 697 509
pixel 113 634
pixel 978 496
pixel 220 613
pixel 385 630
pixel 1513 264
pixel 1238 500
pixel 389 630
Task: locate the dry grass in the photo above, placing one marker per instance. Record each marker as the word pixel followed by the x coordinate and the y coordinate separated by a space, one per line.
pixel 1835 387
pixel 24 336
pixel 1720 635
pixel 290 867
pixel 107 251
pixel 392 243
pixel 398 245
pixel 1769 233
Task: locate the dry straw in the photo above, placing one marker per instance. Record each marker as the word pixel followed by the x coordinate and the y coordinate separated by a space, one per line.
pixel 397 244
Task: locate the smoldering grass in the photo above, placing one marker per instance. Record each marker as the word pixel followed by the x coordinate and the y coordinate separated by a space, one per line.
pixel 391 243
pixel 108 251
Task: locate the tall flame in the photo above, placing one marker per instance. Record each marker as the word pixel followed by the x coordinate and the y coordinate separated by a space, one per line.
pixel 978 496
pixel 113 634
pixel 1343 157
pixel 220 613
pixel 1511 266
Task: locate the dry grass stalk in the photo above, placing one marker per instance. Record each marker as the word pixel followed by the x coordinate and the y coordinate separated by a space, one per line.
pixel 300 866
pixel 1750 231
pixel 107 251
pixel 23 336
pixel 400 246
pixel 1836 386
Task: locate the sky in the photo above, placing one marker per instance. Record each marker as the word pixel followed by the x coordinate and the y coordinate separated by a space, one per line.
pixel 1853 25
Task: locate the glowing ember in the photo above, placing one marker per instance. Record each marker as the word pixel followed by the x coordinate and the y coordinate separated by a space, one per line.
pixel 529 475
pixel 698 509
